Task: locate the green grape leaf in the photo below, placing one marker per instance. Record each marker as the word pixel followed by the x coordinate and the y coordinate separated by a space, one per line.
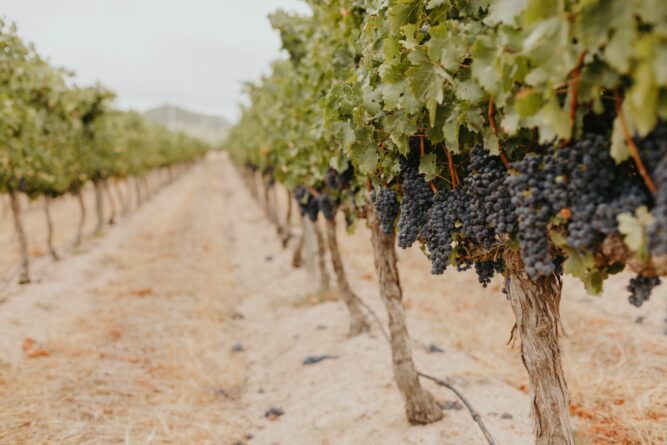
pixel 584 268
pixel 401 13
pixel 633 228
pixel 505 12
pixel 619 149
pixel 428 166
pixel 368 161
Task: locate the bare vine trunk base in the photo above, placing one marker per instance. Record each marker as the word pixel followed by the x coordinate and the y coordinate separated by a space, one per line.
pixel 112 204
pixel 297 256
pixel 321 257
pixel 287 226
pixel 420 405
pixel 99 206
pixel 358 323
pixel 24 265
pixel 536 308
pixel 82 220
pixel 49 229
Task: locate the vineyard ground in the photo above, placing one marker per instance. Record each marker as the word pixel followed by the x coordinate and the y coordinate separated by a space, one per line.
pixel 135 335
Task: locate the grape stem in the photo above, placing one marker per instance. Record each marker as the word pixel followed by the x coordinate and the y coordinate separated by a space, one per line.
pixel 492 121
pixel 452 170
pixel 634 152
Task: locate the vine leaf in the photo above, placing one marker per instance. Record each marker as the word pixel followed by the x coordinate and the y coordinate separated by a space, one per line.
pixel 428 166
pixel 368 160
pixel 583 267
pixel 505 12
pixel 634 230
pixel 619 149
pixel 427 81
pixel 402 13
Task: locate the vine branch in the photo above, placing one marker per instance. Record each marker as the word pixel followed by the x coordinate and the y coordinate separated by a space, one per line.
pixel 476 417
pixel 452 170
pixel 474 414
pixel 634 151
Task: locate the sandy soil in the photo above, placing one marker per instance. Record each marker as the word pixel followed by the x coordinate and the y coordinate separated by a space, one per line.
pixel 185 323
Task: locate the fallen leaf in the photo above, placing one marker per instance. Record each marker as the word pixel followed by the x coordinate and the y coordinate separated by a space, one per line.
pixel 32 350
pixel 142 292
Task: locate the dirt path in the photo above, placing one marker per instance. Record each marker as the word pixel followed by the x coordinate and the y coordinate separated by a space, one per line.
pixel 136 337
pixel 137 333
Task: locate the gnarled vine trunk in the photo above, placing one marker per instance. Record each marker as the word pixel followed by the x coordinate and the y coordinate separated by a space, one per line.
pixel 24 265
pixel 297 256
pixel 128 193
pixel 112 203
pixel 420 405
pixel 536 308
pixel 122 199
pixel 82 219
pixel 146 187
pixel 251 180
pixel 287 225
pixel 358 322
pixel 137 191
pixel 321 257
pixel 49 228
pixel 269 205
pixel 99 206
pixel 273 210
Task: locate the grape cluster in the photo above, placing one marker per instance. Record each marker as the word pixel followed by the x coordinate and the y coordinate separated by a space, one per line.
pixel 478 210
pixel 308 204
pixel 417 200
pixel 627 195
pixel 653 151
pixel 339 181
pixel 591 180
pixel 440 227
pixel 487 269
pixel 536 192
pixel 326 206
pixel 653 147
pixel 580 182
pixel 658 230
pixel 386 206
pixel 640 289
pixel 490 210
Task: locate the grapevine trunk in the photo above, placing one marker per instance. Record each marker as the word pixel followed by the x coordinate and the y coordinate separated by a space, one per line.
pixel 49 228
pixel 420 405
pixel 99 206
pixel 536 308
pixel 121 198
pixel 112 203
pixel 82 219
pixel 297 257
pixel 321 257
pixel 287 226
pixel 147 187
pixel 24 265
pixel 137 191
pixel 358 322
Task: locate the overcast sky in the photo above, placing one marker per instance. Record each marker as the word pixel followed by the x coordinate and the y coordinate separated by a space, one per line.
pixel 191 53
